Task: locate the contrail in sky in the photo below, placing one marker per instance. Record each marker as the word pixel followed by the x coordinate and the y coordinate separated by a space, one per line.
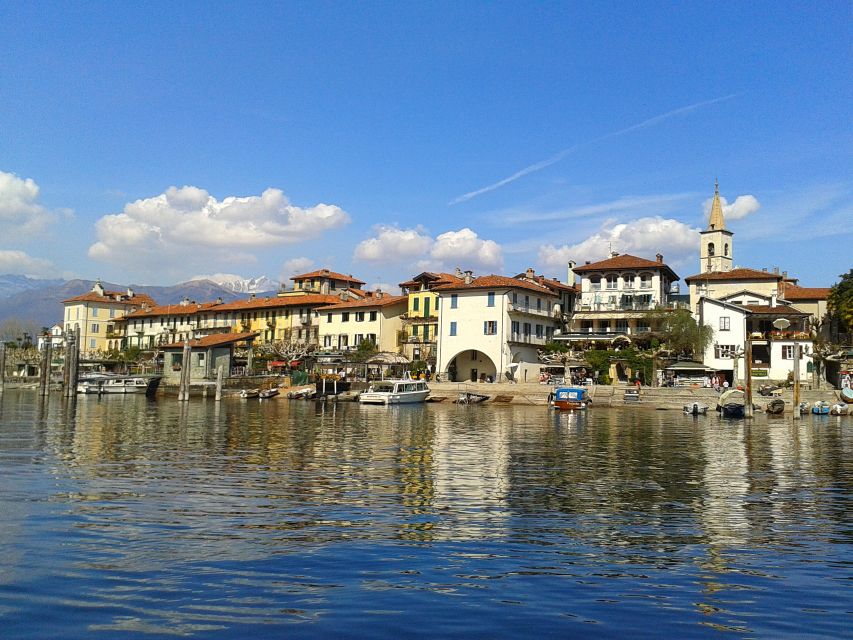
pixel 565 152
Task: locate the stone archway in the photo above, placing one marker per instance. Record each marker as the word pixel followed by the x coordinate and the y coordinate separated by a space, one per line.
pixel 471 365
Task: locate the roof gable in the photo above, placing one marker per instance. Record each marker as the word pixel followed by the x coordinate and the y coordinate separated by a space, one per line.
pixel 625 261
pixel 741 273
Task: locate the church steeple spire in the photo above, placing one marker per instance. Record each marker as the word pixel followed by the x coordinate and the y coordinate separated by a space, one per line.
pixel 716 222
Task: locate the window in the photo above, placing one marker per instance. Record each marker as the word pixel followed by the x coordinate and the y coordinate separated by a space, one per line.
pixel 453 328
pixel 490 299
pixel 527 327
pixel 454 301
pixel 646 281
pixel 622 326
pixel 358 338
pixel 540 331
pixel 112 313
pixel 514 297
pixel 628 279
pixel 539 304
pixel 711 249
pixel 94 312
pixel 595 283
pixel 724 350
pixel 416 304
pixel 92 343
pixel 359 316
pixel 327 341
pixel 415 330
pixel 516 327
pixel 328 317
pixel 612 280
pixel 373 316
pixel 787 352
pixel 344 316
pixel 726 249
pixel 95 328
pixel 724 323
pixel 437 300
pixel 426 332
pixel 490 327
pixel 526 302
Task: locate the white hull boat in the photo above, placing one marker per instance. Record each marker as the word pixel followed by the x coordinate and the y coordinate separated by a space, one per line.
pixel 118 384
pixel 405 391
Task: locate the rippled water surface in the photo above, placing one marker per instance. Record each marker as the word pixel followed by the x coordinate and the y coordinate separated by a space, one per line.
pixel 123 517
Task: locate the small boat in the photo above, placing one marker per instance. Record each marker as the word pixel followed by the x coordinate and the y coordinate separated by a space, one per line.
pixel 847 395
pixel 467 397
pixel 821 408
pixel 302 394
pixel 632 395
pixel 805 407
pixel 107 383
pixel 569 398
pixel 272 392
pixel 696 409
pixel 250 393
pixel 775 406
pixel 402 391
pixel 839 409
pixel 732 403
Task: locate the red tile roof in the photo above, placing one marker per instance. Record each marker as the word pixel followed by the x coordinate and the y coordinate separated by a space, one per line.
pixel 779 309
pixel 496 282
pixel 325 273
pixel 372 301
pixel 793 292
pixel 625 261
pixel 436 278
pixel 170 310
pixel 735 274
pixel 214 340
pixel 275 302
pixel 114 297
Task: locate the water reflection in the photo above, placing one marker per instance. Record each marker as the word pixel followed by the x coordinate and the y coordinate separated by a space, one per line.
pixel 279 512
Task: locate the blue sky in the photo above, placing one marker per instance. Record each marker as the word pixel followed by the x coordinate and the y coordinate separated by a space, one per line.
pixel 384 139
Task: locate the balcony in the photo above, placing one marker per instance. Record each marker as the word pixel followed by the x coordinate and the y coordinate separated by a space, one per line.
pixel 416 319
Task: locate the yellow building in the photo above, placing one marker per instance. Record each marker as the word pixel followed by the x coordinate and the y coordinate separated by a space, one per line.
pixel 95 312
pixel 420 324
pixel 289 318
pixel 324 281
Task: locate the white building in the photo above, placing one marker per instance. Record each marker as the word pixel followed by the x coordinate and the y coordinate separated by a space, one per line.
pixel 488 323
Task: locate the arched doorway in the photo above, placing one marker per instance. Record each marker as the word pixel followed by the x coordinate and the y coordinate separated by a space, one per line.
pixel 471 366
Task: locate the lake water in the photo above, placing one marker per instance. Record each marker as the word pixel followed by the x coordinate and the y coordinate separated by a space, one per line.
pixel 124 517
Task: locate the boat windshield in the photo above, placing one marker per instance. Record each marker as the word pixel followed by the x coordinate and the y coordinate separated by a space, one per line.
pixel 382 386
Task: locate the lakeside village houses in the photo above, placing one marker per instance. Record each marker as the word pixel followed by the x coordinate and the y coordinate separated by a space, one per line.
pixel 490 327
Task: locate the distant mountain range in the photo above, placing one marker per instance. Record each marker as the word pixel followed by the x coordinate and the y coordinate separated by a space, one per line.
pixel 238 284
pixel 39 302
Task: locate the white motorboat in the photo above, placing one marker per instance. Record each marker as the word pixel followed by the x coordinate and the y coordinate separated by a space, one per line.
pixel 105 383
pixel 404 391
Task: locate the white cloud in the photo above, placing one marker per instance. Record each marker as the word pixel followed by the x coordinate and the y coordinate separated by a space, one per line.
pixel 186 228
pixel 22 264
pixel 393 245
pixel 467 248
pixel 19 209
pixel 643 238
pixel 416 247
pixel 740 208
pixel 295 266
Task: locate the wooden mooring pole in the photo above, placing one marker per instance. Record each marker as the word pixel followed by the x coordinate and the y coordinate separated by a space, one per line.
pixel 44 374
pixel 2 365
pixel 748 375
pixel 220 374
pixel 797 353
pixel 184 386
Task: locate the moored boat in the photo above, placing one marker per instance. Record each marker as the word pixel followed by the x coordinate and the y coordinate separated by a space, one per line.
pixel 250 393
pixel 402 391
pixel 696 409
pixel 775 406
pixel 467 397
pixel 821 408
pixel 839 409
pixel 272 392
pixel 847 395
pixel 106 383
pixel 569 398
pixel 732 403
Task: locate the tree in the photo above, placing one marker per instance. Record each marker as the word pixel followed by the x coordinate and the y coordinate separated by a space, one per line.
pixel 680 333
pixel 840 302
pixel 365 350
pixel 11 329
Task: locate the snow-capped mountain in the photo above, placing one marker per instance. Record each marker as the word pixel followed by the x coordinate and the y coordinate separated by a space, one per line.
pixel 238 284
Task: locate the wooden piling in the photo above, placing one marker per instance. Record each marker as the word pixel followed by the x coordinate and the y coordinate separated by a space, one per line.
pixel 74 364
pixel 2 365
pixel 44 374
pixel 796 398
pixel 220 370
pixel 184 387
pixel 748 375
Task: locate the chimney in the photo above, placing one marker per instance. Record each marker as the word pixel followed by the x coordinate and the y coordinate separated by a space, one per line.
pixel 378 293
pixel 570 274
pixel 98 288
pixel 344 295
pixel 530 273
pixel 773 297
pixel 586 262
pixel 613 254
pixel 776 270
pixel 785 274
pixel 219 300
pixel 469 277
pixel 659 257
pixel 129 292
pixel 458 272
pixel 764 269
pixel 252 297
pixel 185 302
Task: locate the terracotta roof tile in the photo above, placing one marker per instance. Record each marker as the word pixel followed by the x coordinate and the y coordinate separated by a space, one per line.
pixel 275 302
pixel 436 278
pixel 496 282
pixel 170 310
pixel 625 261
pixel 779 309
pixel 793 292
pixel 109 297
pixel 214 340
pixel 325 273
pixel 372 301
pixel 735 274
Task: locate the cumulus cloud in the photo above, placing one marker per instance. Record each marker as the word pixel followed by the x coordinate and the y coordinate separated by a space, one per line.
pixel 295 266
pixel 393 244
pixel 416 246
pixel 188 226
pixel 740 208
pixel 643 238
pixel 20 211
pixel 22 264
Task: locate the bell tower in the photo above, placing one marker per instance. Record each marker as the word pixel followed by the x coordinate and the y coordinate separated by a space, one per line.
pixel 715 243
